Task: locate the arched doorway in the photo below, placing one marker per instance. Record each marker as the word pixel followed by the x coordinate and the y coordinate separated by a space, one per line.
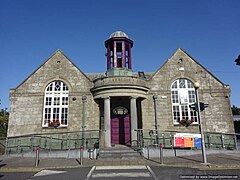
pixel 120 126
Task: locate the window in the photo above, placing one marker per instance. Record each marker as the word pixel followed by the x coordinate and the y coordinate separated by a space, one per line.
pixel 56 103
pixel 183 94
pixel 120 110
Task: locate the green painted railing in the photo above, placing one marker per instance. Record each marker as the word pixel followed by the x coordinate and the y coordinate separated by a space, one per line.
pixel 228 141
pixel 73 140
pixel 52 141
pixel 2 145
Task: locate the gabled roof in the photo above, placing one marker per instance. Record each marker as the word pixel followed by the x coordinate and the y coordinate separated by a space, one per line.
pixel 180 49
pixel 57 51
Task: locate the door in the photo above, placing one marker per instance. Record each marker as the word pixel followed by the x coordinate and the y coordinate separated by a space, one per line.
pixel 115 130
pixel 120 128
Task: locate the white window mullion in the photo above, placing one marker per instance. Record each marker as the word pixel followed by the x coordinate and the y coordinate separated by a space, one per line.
pixel 44 107
pixel 189 114
pixel 52 103
pixel 60 105
pixel 60 114
pixel 51 113
pixel 180 111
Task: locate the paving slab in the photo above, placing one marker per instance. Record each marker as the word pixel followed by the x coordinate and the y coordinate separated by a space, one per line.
pixel 19 164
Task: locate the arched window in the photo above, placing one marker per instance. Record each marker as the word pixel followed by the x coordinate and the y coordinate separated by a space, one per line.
pixel 183 94
pixel 120 110
pixel 56 103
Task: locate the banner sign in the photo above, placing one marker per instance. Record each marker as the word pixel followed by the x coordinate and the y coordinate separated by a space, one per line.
pixel 178 141
pixel 197 142
pixel 187 140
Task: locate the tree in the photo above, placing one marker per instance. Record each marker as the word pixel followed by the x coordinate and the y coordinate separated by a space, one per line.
pixel 235 110
pixel 238 60
pixel 4 115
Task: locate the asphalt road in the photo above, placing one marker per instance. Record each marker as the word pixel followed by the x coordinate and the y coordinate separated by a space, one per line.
pixel 123 172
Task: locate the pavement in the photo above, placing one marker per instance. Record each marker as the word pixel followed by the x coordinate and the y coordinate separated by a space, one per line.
pixel 215 161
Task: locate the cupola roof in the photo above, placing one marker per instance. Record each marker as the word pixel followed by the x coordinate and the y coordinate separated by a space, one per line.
pixel 118 34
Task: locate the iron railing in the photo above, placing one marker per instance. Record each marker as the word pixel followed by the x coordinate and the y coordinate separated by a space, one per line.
pixel 73 140
pixel 2 145
pixel 228 141
pixel 52 141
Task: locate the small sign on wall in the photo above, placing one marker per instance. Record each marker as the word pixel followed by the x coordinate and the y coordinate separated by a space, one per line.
pixel 197 142
pixel 187 140
pixel 178 141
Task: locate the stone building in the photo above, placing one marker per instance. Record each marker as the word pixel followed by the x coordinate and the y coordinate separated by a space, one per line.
pixel 120 100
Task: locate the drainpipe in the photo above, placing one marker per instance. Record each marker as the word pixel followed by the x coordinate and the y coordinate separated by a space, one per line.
pixel 156 117
pixel 84 100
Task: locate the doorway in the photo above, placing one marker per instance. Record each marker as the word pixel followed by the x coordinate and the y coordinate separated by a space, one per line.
pixel 120 126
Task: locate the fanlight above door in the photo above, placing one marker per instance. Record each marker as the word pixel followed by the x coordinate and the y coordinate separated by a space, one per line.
pixel 120 110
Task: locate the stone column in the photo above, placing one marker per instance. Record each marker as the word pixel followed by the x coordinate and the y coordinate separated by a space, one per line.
pixel 107 122
pixel 123 55
pixel 115 55
pixel 129 57
pixel 133 109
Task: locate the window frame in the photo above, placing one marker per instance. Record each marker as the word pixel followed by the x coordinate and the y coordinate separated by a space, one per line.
pixel 182 95
pixel 56 103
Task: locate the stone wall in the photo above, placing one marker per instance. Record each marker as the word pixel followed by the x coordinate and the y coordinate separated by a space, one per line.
pixel 26 101
pixel 216 118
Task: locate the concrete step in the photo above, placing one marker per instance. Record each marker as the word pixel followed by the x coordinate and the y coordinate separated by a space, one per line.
pixel 119 152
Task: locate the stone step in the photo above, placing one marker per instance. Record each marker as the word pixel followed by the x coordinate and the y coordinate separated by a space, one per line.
pixel 119 152
pixel 115 157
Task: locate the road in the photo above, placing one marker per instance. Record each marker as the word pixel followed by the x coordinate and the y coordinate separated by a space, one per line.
pixel 123 172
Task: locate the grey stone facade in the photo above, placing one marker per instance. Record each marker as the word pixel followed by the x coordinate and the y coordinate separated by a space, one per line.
pixel 27 100
pixel 216 118
pixel 26 108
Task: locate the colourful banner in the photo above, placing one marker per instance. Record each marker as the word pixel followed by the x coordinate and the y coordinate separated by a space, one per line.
pixel 179 141
pixel 187 140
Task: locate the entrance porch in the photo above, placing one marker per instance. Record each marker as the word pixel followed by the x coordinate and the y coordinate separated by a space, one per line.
pixel 119 118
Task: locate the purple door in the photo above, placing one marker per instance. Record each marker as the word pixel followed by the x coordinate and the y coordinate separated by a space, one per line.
pixel 120 129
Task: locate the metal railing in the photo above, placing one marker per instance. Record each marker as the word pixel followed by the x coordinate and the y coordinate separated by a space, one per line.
pixel 148 138
pixel 73 140
pixel 52 141
pixel 2 145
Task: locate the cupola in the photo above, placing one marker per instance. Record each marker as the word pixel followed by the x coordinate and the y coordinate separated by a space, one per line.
pixel 119 62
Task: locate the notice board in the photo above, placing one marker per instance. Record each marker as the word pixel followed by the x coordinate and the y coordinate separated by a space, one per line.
pixel 178 142
pixel 187 140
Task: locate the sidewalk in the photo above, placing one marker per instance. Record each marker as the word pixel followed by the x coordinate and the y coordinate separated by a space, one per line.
pixel 217 161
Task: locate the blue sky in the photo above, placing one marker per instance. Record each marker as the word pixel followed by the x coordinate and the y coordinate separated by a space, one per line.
pixel 31 31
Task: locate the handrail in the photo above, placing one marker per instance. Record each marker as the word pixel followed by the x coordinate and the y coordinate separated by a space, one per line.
pixel 67 132
pixel 51 141
pixel 72 140
pixel 213 139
